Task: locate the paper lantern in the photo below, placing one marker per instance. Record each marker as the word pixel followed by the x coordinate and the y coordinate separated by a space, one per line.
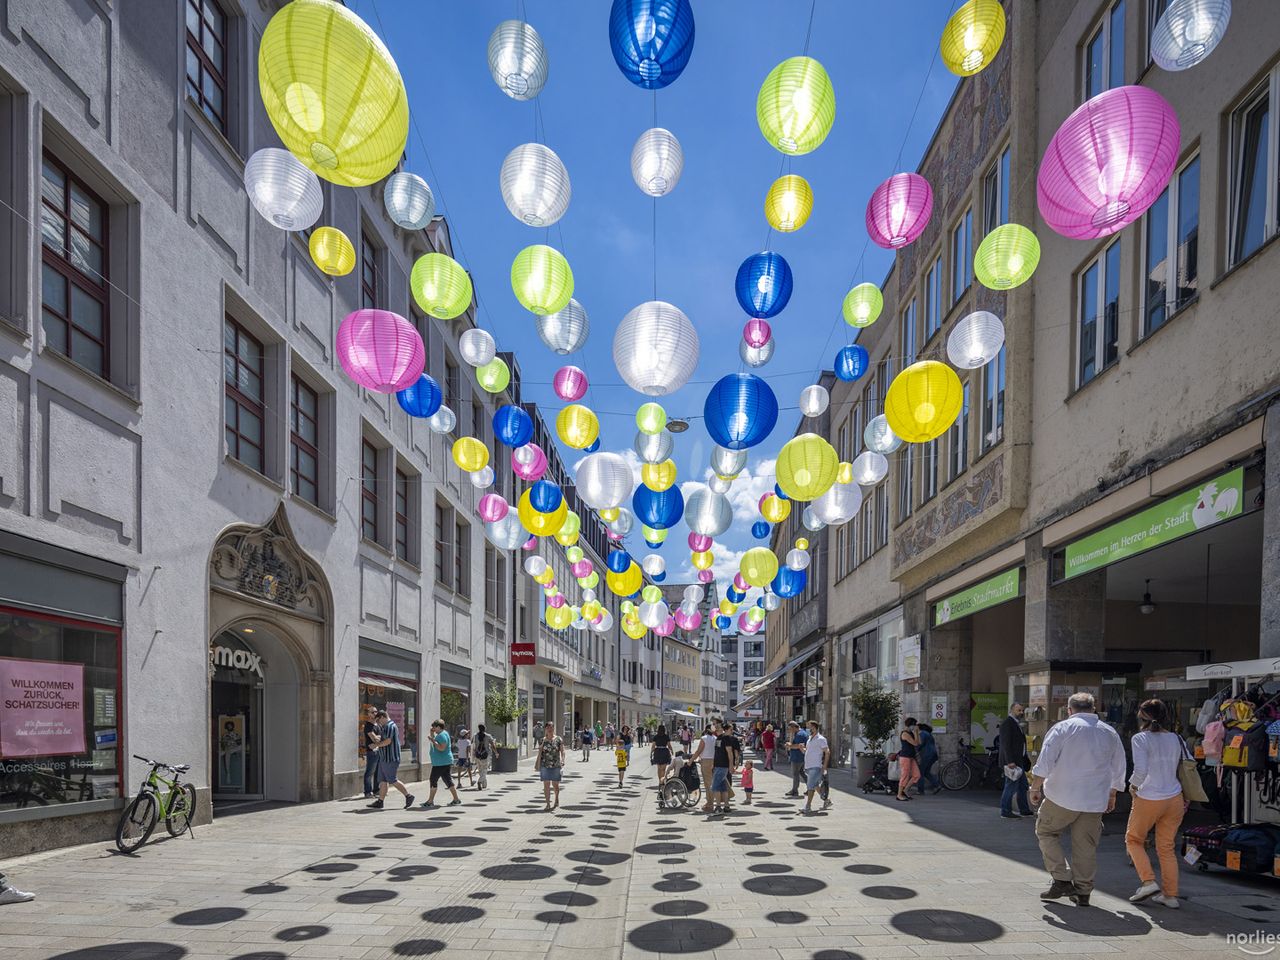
pixel 702 560
pixel 788 203
pixel 420 399
pixel 574 554
pixel 570 383
pixel 577 426
pixel 507 533
pixel 534 566
pixel 512 425
pixel 470 454
pixel 604 480
pixel 655 348
pixel 814 400
pixel 476 347
pixel 777 489
pixel 535 185
pixel 758 566
pixel 442 421
pixel 740 411
pixel 409 201
pixel 797 560
pixel 482 478
pixel 923 401
pixel 582 569
pixel 839 504
pixel 763 284
pixel 659 476
pixel 517 59
pixel 624 523
pixel 440 286
pixel 1007 257
pixel 726 462
pixel 659 509
pixel 756 332
pixel 879 436
pixel 564 331
pixel 651 418
pixel 708 513
pixel 811 520
pixel 789 583
pixel 761 530
pixel 844 472
pixel 1108 162
pixel 852 362
pixel 494 376
pixel 862 305
pixel 899 210
pixel 331 251
pixel 528 463
pixel 657 162
pixel 492 508
pixel 869 468
pixel 380 350
pixel 654 565
pixel 626 583
pixel 618 561
pixel 796 106
pixel 1187 32
pixel 775 509
pixel 282 189
pixel 537 522
pixel 756 356
pixel 651 40
pixel 806 466
pixel 975 340
pixel 654 447
pixel 972 37
pixel 541 279
pixel 802 543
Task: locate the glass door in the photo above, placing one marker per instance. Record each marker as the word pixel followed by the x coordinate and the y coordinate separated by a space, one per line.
pixel 237 740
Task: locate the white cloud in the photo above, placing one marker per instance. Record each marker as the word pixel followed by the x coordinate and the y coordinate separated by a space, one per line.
pixel 753 483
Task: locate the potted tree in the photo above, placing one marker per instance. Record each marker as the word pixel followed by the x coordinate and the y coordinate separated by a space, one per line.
pixel 502 707
pixel 876 711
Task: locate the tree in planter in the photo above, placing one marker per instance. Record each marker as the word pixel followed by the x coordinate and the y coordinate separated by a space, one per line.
pixel 876 710
pixel 503 707
pixel 651 724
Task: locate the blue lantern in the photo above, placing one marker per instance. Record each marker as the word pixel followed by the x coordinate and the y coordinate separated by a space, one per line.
pixel 619 561
pixel 659 577
pixel 723 622
pixel 740 411
pixel 651 40
pixel 595 445
pixel 512 425
pixel 764 284
pixel 545 496
pixel 760 600
pixel 777 492
pixel 760 530
pixel 734 595
pixel 422 399
pixel 660 509
pixel 788 582
pixel 852 362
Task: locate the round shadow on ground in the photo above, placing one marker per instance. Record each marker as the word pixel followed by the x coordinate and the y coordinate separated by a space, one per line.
pixel 367 896
pixel 452 914
pixel 210 915
pixel 824 843
pixel 143 949
pixel 676 886
pixel 598 857
pixel 947 926
pixel 570 898
pixel 266 888
pixel 481 895
pixel 438 824
pixel 492 829
pixel 868 869
pixel 750 841
pixel 770 868
pixel 519 872
pixel 786 916
pixel 540 840
pixel 680 908
pixel 310 931
pixel 835 855
pixel 256 955
pixel 588 879
pixel 410 870
pixel 786 885
pixel 889 893
pixel 673 860
pixel 330 867
pixel 665 849
pixel 357 856
pixel 759 853
pixel 680 936
pixel 836 955
pixel 449 854
pixel 417 948
pixel 394 835
pixel 556 916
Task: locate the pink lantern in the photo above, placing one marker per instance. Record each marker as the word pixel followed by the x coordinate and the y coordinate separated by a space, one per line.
pixel 698 542
pixel 536 465
pixel 899 210
pixel 757 332
pixel 1108 162
pixel 666 628
pixel 612 535
pixel 556 600
pixel 740 582
pixel 743 623
pixel 531 543
pixel 688 621
pixel 705 576
pixel 380 350
pixel 581 569
pixel 493 507
pixel 570 383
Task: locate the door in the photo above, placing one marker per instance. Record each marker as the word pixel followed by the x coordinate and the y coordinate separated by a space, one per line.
pixel 236 741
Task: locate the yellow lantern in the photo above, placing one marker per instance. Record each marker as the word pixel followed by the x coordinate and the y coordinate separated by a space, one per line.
pixel 610 515
pixel 702 559
pixel 577 426
pixel 659 476
pixel 923 401
pixel 972 37
pixel 728 608
pixel 844 472
pixel 558 618
pixel 775 509
pixel 591 609
pixel 806 467
pixel 788 203
pixel 470 454
pixel 633 629
pixel 626 583
pixel 545 577
pixel 758 566
pixel 332 251
pixel 802 543
pixel 333 92
pixel 538 523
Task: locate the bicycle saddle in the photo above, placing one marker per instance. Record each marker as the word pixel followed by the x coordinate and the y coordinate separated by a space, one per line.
pixel 180 767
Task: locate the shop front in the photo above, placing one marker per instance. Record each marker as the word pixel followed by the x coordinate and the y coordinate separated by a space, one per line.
pixel 551 702
pixel 456 709
pixel 389 680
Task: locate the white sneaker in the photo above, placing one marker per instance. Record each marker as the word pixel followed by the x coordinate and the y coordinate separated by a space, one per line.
pixel 1144 891
pixel 1170 902
pixel 14 895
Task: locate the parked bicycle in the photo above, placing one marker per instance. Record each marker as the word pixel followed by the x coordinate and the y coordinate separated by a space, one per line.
pixel 972 770
pixel 157 798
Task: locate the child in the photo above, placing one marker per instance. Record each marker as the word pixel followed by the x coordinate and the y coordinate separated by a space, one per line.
pixel 748 781
pixel 464 758
pixel 620 752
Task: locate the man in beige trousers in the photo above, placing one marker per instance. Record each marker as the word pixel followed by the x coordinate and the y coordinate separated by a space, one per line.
pixel 1079 771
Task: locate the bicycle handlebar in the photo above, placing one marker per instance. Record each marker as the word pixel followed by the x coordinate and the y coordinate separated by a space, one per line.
pixel 154 763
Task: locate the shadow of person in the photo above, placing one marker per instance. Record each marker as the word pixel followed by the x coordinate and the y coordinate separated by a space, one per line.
pixel 1095 921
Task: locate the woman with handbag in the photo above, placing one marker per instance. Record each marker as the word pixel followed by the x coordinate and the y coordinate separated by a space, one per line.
pixel 1158 803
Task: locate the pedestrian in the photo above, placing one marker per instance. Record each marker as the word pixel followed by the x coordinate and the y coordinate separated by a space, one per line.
pixel 908 750
pixel 1013 758
pixel 817 757
pixel 686 736
pixel 627 742
pixel 928 758
pixel 1079 771
pixel 441 765
pixel 370 735
pixel 389 761
pixel 464 758
pixel 660 757
pixel 727 754
pixel 550 764
pixel 621 756
pixel 748 781
pixel 587 738
pixel 11 894
pixel 704 755
pixel 794 746
pixel 1157 803
pixel 599 734
pixel 482 751
pixel 769 741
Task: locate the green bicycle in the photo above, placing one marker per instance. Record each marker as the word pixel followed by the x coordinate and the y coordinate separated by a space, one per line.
pixel 177 806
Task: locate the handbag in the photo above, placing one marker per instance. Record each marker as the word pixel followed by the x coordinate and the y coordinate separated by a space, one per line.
pixel 894 771
pixel 1189 777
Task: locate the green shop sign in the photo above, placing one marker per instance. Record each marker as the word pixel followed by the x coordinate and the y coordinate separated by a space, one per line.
pixel 988 593
pixel 1204 506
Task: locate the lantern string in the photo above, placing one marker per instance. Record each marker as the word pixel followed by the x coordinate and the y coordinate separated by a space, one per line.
pixel 808 34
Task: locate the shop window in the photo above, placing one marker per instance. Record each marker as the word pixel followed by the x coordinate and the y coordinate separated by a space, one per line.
pixel 995 194
pixel 244 376
pixel 1104 53
pixel 369 491
pixel 962 256
pixel 993 375
pixel 1253 153
pixel 928 470
pixel 933 298
pixel 958 440
pixel 206 57
pixel 304 468
pixel 1172 223
pixel 1098 318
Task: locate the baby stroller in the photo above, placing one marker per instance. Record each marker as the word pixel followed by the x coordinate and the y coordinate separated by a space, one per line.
pixel 879 779
pixel 684 789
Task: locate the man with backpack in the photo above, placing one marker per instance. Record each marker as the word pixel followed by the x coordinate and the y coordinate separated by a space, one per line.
pixel 482 749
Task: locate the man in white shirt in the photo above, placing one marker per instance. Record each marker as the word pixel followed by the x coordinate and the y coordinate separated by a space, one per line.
pixel 817 754
pixel 704 754
pixel 1079 771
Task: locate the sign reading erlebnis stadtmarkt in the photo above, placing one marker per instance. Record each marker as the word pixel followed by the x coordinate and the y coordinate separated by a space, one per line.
pixel 1222 498
pixel 41 708
pixel 988 593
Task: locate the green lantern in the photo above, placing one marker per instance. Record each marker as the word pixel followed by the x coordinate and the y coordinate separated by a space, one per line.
pixel 796 106
pixel 862 305
pixel 541 279
pixel 494 376
pixel 440 286
pixel 651 418
pixel 651 594
pixel 1007 257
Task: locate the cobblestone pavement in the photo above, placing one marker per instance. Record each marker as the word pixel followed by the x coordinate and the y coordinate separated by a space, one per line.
pixel 607 875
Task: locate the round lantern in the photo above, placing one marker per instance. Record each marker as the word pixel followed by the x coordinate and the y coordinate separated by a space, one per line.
pixel 806 466
pixel 651 418
pixel 852 362
pixel 659 476
pixel 761 529
pixel 789 583
pixel 440 286
pixel 604 480
pixel 420 399
pixel 541 279
pixel 570 383
pixel 844 472
pixel 862 305
pixel 476 347
pixel 797 559
pixel 758 566
pixel 727 463
pixel 517 59
pixel 618 561
pixel 655 348
pixel 332 92
pixel 380 350
pixel 507 533
pixel 654 447
pixel 659 509
pixel 535 185
pixel 763 284
pixel 492 508
pixel 534 566
pixel 708 513
pixel 923 401
pixel 756 356
pixel 282 189
pixel 740 411
pixel 494 376
pixel 756 332
pixel 796 106
pixel 657 162
pixel 409 201
pixel 814 400
pixel 528 463
pixel 545 496
pixel 775 509
pixel 512 425
pixel 879 436
pixel 482 478
pixel 869 468
pixel 625 521
pixel 577 426
pixel 972 37
pixel 1108 162
pixel 788 203
pixel 627 582
pixel 899 210
pixel 1187 32
pixel 537 522
pixel 331 251
pixel 442 421
pixel 697 541
pixel 574 554
pixel 975 340
pixel 1007 257
pixel 702 559
pixel 810 518
pixel 651 40
pixel 839 504
pixel 470 454
pixel 564 331
pixel 654 565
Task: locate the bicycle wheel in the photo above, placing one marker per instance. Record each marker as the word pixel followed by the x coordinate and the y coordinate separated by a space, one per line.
pixel 956 775
pixel 675 793
pixel 182 810
pixel 136 823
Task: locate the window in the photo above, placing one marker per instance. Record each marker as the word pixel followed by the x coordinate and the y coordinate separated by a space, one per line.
pixel 207 59
pixel 1253 154
pixel 993 401
pixel 905 464
pixel 495 582
pixel 866 526
pixel 74 286
pixel 402 516
pixel 958 439
pixel 304 440
pixel 909 334
pixel 462 557
pixel 368 490
pixel 1155 10
pixel 1172 223
pixel 933 298
pixel 995 194
pixel 1099 314
pixel 1104 53
pixel 882 515
pixel 368 272
pixel 962 256
pixel 444 543
pixel 243 367
pixel 928 470
pixel 452 388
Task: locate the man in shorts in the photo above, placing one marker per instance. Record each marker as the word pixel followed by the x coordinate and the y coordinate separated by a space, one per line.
pixel 728 750
pixel 441 762
pixel 817 755
pixel 389 761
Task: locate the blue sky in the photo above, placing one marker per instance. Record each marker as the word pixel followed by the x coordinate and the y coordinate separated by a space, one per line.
pixel 877 54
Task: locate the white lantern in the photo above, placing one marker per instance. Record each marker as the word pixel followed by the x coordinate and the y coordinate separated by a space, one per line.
pixel 444 420
pixel 814 400
pixel 811 520
pixel 757 356
pixel 879 436
pixel 839 504
pixel 975 340
pixel 507 533
pixel 1187 32
pixel 654 565
pixel 525 455
pixel 624 522
pixel 535 185
pixel 604 480
pixel 605 624
pixel 718 484
pixel 693 593
pixel 654 614
pixel 772 602
pixel 655 348
pixel 656 162
pixel 588 595
pixel 517 59
pixel 564 331
pixel 797 559
pixel 727 463
pixel 482 478
pixel 707 512
pixel 535 566
pixel 688 609
pixel 476 347
pixel 282 189
pixel 409 201
pixel 869 468
pixel 580 624
pixel 654 447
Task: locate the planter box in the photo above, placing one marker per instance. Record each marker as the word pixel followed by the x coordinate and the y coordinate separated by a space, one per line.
pixel 865 766
pixel 506 760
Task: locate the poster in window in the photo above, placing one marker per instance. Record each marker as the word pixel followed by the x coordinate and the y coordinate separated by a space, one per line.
pixel 41 708
pixel 231 753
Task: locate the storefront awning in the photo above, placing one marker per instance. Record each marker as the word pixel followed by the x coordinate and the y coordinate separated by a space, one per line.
pixel 756 689
pixel 386 683
pixel 683 713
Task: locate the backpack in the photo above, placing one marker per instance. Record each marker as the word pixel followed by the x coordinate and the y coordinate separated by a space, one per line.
pixel 481 748
pixel 1245 746
pixel 1214 736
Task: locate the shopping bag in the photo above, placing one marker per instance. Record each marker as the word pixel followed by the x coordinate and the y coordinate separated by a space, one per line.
pixel 1189 777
